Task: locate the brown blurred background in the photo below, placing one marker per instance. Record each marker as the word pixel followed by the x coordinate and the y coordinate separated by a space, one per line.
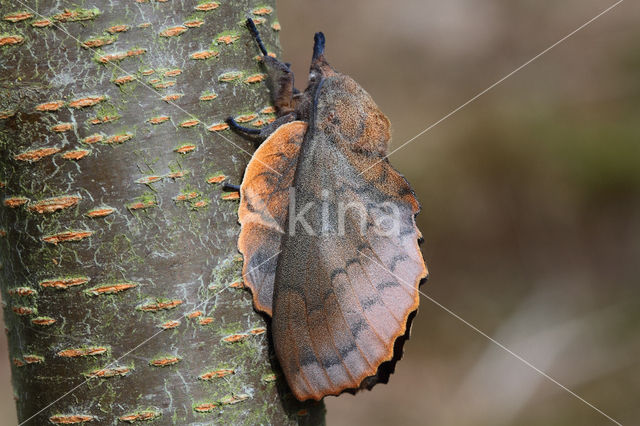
pixel 530 195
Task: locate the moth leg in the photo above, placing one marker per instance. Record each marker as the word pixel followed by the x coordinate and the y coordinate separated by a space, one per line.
pixel 255 135
pixel 242 129
pixel 260 135
pixel 230 186
pixel 267 130
pixel 281 76
pixel 282 90
pixel 256 35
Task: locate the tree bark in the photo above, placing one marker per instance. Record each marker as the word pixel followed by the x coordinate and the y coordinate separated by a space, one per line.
pixel 121 281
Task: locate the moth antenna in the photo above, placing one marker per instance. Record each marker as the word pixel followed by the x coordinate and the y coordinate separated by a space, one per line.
pixel 318 45
pixel 230 186
pixel 235 126
pixel 256 35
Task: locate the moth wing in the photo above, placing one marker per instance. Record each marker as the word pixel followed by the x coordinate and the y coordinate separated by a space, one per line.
pixel 342 300
pixel 264 199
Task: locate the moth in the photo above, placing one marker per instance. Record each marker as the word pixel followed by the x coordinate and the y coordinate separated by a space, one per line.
pixel 328 232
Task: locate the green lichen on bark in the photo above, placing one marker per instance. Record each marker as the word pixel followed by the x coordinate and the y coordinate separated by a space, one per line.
pixel 119 262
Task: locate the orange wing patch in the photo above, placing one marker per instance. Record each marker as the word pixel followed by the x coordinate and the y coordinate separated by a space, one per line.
pixel 264 206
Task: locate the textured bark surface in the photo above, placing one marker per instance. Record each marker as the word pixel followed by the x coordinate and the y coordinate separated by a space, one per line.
pixel 118 244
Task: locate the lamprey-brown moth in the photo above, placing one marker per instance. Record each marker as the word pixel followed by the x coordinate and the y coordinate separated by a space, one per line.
pixel 328 233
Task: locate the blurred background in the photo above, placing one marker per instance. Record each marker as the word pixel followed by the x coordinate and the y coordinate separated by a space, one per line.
pixel 530 196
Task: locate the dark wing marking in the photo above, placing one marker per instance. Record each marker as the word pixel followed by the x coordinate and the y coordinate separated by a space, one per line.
pixel 264 203
pixel 342 299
